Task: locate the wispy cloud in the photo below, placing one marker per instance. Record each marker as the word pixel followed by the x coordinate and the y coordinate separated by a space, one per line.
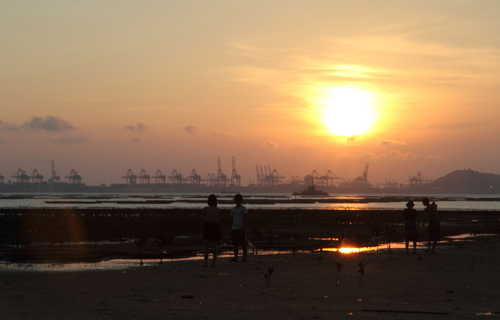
pixel 392 142
pixel 223 134
pixel 2 141
pixel 398 155
pixel 191 129
pixel 393 155
pixel 270 145
pixel 47 124
pixel 139 127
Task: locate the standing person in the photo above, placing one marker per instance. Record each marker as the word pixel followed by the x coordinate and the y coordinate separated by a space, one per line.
pixel 410 218
pixel 211 230
pixel 434 224
pixel 239 213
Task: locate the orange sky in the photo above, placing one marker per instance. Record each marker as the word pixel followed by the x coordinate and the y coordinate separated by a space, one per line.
pixel 104 86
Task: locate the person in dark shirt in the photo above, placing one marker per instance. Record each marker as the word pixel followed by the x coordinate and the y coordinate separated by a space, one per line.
pixel 211 230
pixel 410 218
pixel 434 224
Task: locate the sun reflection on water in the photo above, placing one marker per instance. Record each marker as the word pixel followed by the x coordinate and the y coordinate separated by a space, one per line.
pixel 348 250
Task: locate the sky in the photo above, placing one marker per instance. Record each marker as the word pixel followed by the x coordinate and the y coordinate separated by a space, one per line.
pixel 106 86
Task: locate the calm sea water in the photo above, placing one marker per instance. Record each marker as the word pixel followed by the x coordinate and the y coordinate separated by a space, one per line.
pixel 117 201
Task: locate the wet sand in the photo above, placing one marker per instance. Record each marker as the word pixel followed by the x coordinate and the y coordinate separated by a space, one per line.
pixel 457 283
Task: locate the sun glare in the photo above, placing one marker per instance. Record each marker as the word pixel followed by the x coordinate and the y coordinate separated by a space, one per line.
pixel 346 111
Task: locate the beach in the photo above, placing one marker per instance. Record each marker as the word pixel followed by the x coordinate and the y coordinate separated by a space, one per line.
pixel 461 281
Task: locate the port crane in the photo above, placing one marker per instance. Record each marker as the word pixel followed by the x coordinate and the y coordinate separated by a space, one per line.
pixel 267 176
pixel 235 177
pixel 144 177
pixel 54 177
pixel 130 177
pixel 36 177
pixel 21 176
pixel 159 177
pixel 276 177
pixel 210 179
pixel 194 177
pixel 175 177
pixel 258 174
pixel 417 180
pixel 362 180
pixel 262 176
pixel 221 177
pixel 324 180
pixel 74 177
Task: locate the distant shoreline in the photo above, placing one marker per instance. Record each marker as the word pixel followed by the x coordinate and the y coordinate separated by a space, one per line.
pixel 46 188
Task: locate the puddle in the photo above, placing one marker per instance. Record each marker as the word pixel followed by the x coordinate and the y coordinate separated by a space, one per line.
pixel 468 236
pixel 75 267
pixel 381 247
pixel 108 265
pixel 402 245
pixel 124 264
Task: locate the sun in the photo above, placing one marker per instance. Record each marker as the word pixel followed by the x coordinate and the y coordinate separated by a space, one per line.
pixel 346 111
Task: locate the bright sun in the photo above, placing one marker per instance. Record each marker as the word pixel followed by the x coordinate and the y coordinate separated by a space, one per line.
pixel 347 111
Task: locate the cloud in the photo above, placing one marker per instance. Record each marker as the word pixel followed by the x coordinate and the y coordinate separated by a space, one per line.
pixel 50 124
pixel 139 127
pixel 2 141
pixel 352 138
pixel 191 129
pixel 368 156
pixel 270 144
pixel 75 139
pixel 398 155
pixel 392 142
pixel 223 134
pixel 393 155
pixel 9 127
pixel 135 140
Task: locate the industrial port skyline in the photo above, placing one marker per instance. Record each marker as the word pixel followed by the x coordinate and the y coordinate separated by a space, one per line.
pixel 265 175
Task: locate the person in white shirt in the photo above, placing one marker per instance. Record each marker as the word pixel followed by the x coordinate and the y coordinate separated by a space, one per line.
pixel 239 213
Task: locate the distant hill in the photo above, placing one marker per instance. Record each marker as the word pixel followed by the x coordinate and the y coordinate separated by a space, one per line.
pixel 467 181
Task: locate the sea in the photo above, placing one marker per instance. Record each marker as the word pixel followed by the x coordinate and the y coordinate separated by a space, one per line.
pixel 468 202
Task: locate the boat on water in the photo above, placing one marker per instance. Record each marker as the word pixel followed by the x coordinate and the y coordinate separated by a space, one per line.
pixel 311 191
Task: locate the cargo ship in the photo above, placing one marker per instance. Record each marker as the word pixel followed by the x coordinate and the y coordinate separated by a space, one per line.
pixel 311 191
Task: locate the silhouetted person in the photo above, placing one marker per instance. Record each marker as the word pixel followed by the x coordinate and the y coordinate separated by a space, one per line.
pixel 239 213
pixel 410 218
pixel 434 224
pixel 211 231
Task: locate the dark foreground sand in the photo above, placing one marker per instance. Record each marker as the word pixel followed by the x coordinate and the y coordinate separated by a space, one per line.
pixel 457 283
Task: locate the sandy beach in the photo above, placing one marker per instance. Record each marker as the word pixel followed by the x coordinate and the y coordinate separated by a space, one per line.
pixel 460 282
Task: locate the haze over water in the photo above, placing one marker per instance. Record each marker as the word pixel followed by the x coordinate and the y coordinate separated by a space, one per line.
pixel 123 201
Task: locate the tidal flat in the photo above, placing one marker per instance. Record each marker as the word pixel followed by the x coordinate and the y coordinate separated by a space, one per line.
pixel 99 276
